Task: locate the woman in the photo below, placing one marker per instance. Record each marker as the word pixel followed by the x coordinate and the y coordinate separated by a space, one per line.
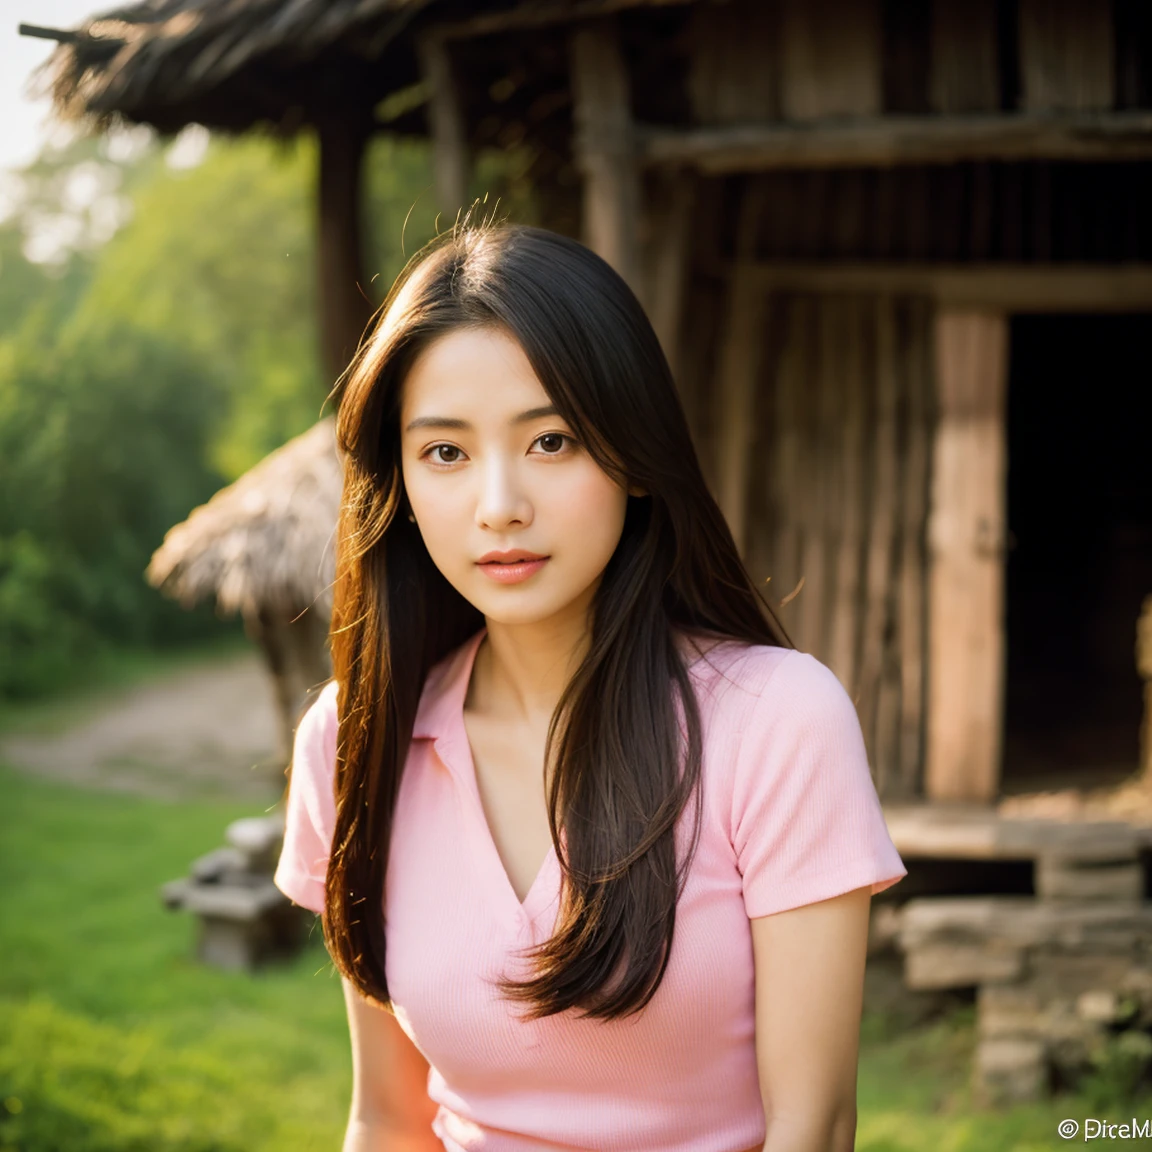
pixel 593 843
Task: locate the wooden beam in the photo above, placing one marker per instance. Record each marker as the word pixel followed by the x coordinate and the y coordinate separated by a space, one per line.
pixel 605 148
pixel 541 15
pixel 344 309
pixel 450 160
pixel 967 529
pixel 889 141
pixel 1010 287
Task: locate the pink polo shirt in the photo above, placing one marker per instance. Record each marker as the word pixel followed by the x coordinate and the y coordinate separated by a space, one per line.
pixel 790 817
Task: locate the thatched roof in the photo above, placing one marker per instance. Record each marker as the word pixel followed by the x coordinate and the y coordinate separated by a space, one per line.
pixel 229 64
pixel 265 541
pixel 233 64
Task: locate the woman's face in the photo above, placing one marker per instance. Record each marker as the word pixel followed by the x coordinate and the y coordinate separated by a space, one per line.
pixel 489 466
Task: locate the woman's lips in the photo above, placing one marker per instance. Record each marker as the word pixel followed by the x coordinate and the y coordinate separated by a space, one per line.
pixel 514 572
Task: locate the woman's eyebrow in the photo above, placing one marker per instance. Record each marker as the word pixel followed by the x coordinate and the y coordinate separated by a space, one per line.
pixel 464 426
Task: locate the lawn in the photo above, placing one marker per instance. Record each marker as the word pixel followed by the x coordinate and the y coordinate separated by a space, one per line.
pixel 113 1039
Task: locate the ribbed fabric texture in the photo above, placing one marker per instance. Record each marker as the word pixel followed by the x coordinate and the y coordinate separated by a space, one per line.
pixel 790 817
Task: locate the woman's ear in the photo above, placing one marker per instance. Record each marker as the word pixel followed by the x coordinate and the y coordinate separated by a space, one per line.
pixel 634 491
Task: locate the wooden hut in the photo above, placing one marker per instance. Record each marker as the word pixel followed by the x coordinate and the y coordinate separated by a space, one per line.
pixel 878 239
pixel 263 548
pixel 900 258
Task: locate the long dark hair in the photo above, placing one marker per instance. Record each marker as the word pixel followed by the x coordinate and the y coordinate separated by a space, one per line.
pixel 623 775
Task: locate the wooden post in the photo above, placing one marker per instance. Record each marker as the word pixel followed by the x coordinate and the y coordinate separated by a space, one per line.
pixel 344 309
pixel 605 147
pixel 1067 54
pixel 966 543
pixel 450 160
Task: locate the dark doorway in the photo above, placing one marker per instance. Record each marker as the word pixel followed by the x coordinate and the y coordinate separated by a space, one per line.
pixel 1080 518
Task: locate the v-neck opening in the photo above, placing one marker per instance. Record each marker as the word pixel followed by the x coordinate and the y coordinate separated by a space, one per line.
pixel 530 905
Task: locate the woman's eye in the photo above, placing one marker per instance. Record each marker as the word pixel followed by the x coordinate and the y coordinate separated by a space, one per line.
pixel 552 442
pixel 437 448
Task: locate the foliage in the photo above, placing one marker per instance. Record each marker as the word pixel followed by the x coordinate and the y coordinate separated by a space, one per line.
pixel 103 437
pixel 158 337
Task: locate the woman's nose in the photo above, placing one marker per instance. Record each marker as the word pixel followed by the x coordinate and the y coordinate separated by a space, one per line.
pixel 502 499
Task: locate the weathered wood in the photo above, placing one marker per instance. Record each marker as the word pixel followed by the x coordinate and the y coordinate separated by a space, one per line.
pixel 805 496
pixel 829 58
pixel 847 333
pixel 740 365
pixel 886 725
pixel 966 536
pixel 891 141
pixel 1011 287
pixel 965 64
pixel 450 160
pixel 787 457
pixel 914 490
pixel 604 147
pixel 1066 54
pixel 668 211
pixel 733 72
pixel 1144 671
pixel 344 309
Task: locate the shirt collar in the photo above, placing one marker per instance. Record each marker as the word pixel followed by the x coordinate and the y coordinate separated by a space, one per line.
pixel 442 700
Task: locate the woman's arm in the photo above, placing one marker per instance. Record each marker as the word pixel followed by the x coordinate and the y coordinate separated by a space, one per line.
pixel 809 996
pixel 391 1111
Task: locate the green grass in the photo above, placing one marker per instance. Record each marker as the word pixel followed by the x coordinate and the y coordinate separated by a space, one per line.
pixel 114 1039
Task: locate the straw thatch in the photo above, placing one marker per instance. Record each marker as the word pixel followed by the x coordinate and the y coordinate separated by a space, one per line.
pixel 264 544
pixel 228 63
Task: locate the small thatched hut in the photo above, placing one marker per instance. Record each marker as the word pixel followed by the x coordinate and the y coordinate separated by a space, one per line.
pixel 263 548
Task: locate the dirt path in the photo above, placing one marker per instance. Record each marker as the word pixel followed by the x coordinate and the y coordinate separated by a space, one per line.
pixel 209 730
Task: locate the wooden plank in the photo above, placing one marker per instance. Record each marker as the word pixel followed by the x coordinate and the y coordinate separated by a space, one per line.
pixel 787 458
pixel 1062 287
pixel 822 398
pixel 604 147
pixel 450 161
pixel 891 141
pixel 829 58
pixel 668 209
pixel 916 343
pixel 848 334
pixel 733 71
pixel 1067 56
pixel 740 365
pixel 966 540
pixel 877 708
pixel 965 65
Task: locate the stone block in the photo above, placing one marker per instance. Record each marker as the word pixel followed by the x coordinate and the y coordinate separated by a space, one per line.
pixel 1060 878
pixel 962 965
pixel 1010 1011
pixel 1009 1071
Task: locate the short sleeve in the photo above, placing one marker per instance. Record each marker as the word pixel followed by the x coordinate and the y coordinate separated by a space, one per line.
pixel 310 818
pixel 806 820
